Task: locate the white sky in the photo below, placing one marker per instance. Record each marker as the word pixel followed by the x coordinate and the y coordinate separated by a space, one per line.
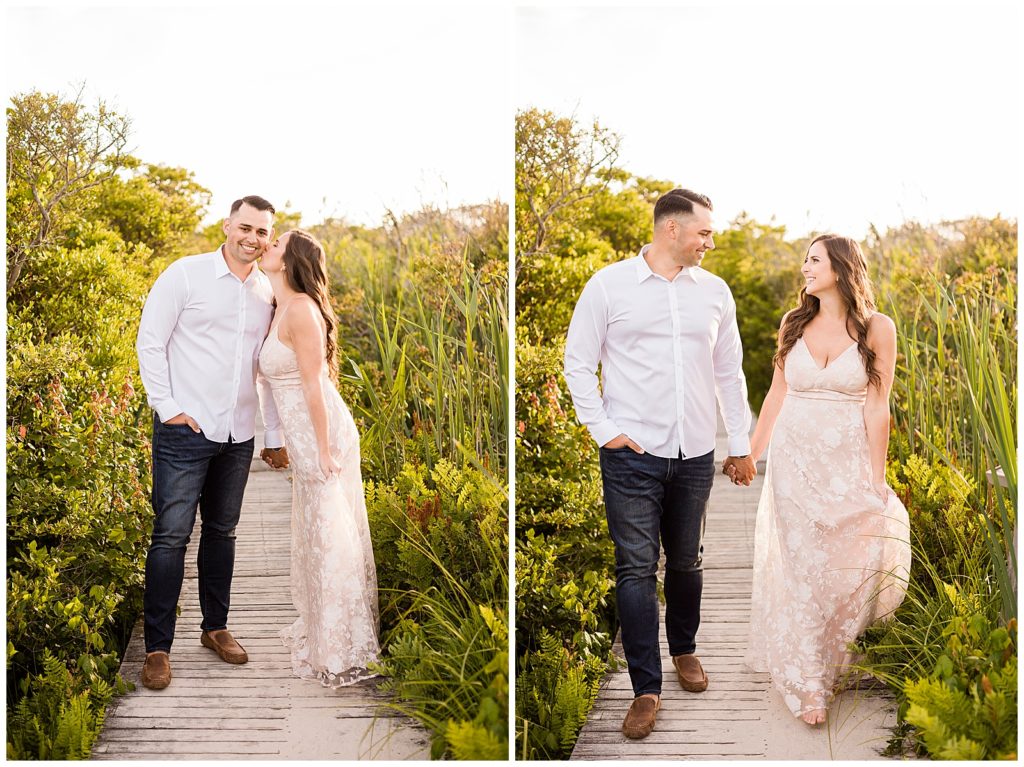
pixel 341 111
pixel 826 117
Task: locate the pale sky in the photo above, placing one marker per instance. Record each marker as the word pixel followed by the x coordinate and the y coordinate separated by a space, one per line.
pixel 339 111
pixel 825 117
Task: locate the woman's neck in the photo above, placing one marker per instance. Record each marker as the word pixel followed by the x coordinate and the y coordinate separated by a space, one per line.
pixel 831 307
pixel 283 292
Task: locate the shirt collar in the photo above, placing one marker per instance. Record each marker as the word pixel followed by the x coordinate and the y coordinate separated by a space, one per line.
pixel 643 269
pixel 220 268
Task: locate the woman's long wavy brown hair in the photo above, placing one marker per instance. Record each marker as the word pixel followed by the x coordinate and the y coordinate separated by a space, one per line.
pixel 851 270
pixel 306 270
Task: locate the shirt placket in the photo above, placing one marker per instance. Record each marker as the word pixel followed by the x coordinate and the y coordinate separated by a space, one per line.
pixel 677 360
pixel 236 369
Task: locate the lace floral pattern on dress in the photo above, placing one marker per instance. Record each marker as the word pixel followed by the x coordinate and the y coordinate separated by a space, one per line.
pixel 333 576
pixel 830 557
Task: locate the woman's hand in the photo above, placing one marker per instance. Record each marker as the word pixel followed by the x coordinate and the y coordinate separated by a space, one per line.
pixel 882 491
pixel 329 466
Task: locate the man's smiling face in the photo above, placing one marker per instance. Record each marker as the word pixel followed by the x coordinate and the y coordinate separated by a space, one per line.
pixel 247 232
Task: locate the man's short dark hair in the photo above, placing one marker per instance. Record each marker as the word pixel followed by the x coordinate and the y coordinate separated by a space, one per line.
pixel 678 201
pixel 255 201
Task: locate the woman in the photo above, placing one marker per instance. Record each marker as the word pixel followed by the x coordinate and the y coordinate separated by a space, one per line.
pixel 831 546
pixel 333 580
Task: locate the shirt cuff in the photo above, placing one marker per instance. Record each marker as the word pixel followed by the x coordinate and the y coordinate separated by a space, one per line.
pixel 167 409
pixel 739 445
pixel 273 439
pixel 604 432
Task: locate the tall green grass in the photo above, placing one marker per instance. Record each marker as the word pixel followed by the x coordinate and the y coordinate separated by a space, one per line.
pixel 441 359
pixel 950 650
pixel 956 391
pixel 423 334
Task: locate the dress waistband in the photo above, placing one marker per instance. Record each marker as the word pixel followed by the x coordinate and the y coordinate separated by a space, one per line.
pixel 827 395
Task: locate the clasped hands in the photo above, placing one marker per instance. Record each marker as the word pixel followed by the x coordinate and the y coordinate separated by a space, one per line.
pixel 740 469
pixel 275 457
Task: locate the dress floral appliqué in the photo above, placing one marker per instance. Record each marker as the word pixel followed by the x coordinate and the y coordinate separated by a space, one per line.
pixel 830 558
pixel 333 576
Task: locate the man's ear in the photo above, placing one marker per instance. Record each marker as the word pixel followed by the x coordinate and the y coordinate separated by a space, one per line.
pixel 226 225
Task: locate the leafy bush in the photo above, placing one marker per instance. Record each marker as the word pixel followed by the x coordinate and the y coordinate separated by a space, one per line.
pixel 423 338
pixel 77 491
pixel 59 715
pixel 564 557
pixel 554 694
pixel 967 709
pixel 442 536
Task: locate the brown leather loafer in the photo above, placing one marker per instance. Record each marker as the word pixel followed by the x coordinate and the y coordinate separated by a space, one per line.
pixel 639 721
pixel 156 671
pixel 691 675
pixel 221 642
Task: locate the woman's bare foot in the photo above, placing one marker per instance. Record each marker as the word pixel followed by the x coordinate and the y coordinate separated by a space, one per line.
pixel 815 716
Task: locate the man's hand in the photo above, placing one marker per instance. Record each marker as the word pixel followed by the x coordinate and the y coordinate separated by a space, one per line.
pixel 623 441
pixel 275 457
pixel 183 418
pixel 740 469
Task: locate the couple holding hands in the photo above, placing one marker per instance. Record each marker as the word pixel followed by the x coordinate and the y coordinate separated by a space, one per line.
pixel 832 551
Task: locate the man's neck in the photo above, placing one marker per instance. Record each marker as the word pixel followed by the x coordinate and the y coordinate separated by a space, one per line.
pixel 661 263
pixel 237 268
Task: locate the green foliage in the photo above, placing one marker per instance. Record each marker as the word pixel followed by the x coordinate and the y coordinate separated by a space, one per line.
pixel 762 270
pixel 444 536
pixel 58 152
pixel 78 509
pixel 77 480
pixel 948 530
pixel 554 694
pixel 559 164
pixel 424 336
pixel 955 400
pixel 967 708
pixel 59 715
pixel 158 207
pixel 423 339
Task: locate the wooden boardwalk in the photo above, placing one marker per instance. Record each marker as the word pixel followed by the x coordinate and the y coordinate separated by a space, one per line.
pixel 739 716
pixel 214 710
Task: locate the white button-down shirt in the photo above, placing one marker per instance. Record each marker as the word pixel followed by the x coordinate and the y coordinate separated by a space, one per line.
pixel 667 349
pixel 199 342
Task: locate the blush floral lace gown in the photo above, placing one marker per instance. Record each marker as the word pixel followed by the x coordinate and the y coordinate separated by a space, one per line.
pixel 830 558
pixel 333 578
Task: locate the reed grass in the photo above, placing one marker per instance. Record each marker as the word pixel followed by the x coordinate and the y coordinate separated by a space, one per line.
pixel 956 395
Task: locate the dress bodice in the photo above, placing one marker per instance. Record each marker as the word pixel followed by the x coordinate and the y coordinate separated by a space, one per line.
pixel 842 379
pixel 278 363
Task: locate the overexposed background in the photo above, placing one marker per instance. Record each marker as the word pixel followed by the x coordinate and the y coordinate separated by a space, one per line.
pixel 824 116
pixel 339 111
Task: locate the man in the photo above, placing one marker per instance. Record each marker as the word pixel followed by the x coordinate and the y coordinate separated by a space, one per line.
pixel 199 339
pixel 664 332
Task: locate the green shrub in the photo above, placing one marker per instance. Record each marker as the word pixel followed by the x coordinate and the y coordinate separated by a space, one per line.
pixel 554 694
pixel 60 714
pixel 423 335
pixel 77 485
pixel 441 537
pixel 967 709
pixel 939 501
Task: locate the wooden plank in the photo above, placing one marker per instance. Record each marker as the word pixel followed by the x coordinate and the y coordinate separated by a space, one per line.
pixel 259 710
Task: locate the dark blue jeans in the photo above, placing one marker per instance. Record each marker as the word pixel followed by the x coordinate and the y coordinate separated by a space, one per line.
pixel 189 471
pixel 653 502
